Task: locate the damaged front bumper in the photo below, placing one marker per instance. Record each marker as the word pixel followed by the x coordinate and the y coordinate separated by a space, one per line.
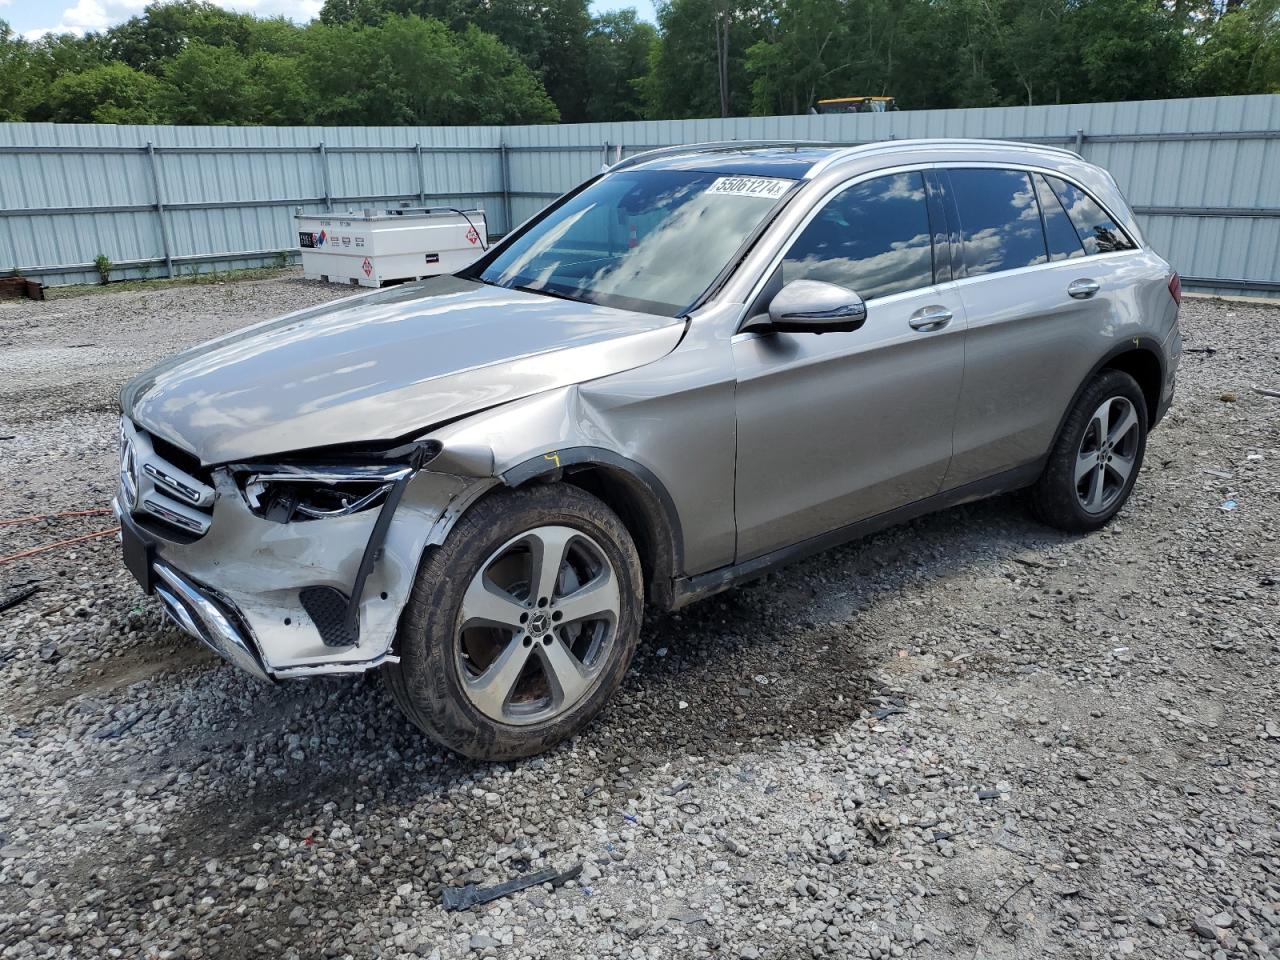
pixel 300 598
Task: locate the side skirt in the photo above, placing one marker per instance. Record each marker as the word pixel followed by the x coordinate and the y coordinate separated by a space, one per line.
pixel 689 589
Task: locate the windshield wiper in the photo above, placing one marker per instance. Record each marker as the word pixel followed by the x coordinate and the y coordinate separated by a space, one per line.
pixel 550 293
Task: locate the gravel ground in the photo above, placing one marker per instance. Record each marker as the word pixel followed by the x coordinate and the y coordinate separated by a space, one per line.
pixel 967 737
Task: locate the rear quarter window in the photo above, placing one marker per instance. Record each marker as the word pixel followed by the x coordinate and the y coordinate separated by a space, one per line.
pixel 1097 231
pixel 1064 243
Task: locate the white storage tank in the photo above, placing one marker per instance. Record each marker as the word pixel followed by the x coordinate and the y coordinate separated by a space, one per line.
pixel 373 247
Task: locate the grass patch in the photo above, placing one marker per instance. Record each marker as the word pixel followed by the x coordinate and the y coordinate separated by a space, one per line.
pixel 164 283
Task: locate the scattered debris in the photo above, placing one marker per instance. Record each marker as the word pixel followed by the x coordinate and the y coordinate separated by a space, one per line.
pixel 18 598
pixel 1227 397
pixel 878 824
pixel 1229 505
pixel 1220 474
pixel 988 794
pixel 881 712
pixel 469 895
pixel 1207 351
pixel 18 287
pixel 1266 391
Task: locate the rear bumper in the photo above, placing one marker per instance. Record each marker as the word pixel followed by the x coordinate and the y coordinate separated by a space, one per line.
pixel 1172 355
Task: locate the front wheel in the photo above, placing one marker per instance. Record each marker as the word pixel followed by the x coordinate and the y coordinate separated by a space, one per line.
pixel 1095 463
pixel 521 625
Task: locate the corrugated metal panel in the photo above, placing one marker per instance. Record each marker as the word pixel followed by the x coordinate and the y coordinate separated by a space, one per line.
pixel 230 192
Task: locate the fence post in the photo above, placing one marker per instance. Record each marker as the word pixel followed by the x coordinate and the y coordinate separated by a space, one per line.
pixel 164 221
pixel 324 173
pixel 606 154
pixel 1080 141
pixel 504 159
pixel 422 177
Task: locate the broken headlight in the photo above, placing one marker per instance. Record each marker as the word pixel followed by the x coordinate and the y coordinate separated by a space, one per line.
pixel 288 494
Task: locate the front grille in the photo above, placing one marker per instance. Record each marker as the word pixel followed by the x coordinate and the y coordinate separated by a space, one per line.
pixel 156 489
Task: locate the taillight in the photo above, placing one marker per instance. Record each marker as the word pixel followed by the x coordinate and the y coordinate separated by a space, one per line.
pixel 1175 289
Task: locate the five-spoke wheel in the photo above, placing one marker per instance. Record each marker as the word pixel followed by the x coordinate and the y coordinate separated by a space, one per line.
pixel 1096 458
pixel 521 624
pixel 1107 454
pixel 537 623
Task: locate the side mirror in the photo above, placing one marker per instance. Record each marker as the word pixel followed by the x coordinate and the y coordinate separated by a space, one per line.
pixel 811 306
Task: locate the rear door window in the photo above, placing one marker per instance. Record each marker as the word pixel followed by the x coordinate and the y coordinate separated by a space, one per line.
pixel 999 220
pixel 1060 235
pixel 873 238
pixel 1097 231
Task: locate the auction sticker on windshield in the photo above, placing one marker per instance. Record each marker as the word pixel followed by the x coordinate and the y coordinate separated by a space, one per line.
pixel 770 188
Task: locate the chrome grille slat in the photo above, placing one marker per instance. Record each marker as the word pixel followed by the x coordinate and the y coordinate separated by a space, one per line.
pixel 153 487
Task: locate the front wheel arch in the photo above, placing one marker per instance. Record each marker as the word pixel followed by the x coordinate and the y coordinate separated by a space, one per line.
pixel 633 492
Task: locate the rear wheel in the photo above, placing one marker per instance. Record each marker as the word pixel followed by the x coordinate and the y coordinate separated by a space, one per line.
pixel 521 625
pixel 1095 462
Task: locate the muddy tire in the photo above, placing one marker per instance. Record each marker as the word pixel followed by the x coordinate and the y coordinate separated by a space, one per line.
pixel 1095 463
pixel 521 625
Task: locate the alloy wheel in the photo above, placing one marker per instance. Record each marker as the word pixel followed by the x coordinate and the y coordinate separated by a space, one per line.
pixel 537 624
pixel 1107 454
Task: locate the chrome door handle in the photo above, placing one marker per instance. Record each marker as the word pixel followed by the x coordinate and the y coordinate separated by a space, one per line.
pixel 1083 289
pixel 930 318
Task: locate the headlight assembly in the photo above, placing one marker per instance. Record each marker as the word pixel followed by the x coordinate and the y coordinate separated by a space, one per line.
pixel 289 494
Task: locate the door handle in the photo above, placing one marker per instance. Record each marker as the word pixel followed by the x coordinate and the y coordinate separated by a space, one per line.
pixel 1083 289
pixel 930 318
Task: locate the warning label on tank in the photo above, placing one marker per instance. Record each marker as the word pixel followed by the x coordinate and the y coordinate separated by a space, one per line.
pixel 367 267
pixel 771 188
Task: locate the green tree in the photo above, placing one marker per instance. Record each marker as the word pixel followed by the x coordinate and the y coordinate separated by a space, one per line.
pixel 209 84
pixel 163 30
pixel 1129 50
pixel 111 93
pixel 1239 51
pixel 16 90
pixel 407 70
pixel 618 47
pixel 548 35
pixel 697 68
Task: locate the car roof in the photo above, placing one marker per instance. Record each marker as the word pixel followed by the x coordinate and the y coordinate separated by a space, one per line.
pixel 804 159
pixel 791 162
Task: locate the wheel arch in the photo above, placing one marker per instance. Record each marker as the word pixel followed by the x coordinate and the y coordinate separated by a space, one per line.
pixel 1140 357
pixel 1145 366
pixel 630 490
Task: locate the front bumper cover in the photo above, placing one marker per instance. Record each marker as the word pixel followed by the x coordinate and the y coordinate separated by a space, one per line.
pixel 237 589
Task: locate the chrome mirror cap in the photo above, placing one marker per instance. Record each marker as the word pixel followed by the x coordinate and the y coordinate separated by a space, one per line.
pixel 812 306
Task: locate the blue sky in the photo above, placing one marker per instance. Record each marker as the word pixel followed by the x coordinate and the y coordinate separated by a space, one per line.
pixel 33 17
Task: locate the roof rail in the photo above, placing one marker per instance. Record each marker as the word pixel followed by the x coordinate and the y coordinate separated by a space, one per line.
pixel 932 143
pixel 711 147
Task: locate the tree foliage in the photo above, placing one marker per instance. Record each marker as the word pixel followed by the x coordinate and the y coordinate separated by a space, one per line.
pixel 512 61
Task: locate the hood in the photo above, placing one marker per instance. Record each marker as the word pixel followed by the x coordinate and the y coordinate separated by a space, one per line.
pixel 382 366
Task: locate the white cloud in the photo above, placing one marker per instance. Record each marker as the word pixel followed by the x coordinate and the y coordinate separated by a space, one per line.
pixel 88 16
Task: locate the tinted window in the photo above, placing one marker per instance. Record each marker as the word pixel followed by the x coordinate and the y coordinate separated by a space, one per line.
pixel 1097 231
pixel 999 220
pixel 1058 231
pixel 872 238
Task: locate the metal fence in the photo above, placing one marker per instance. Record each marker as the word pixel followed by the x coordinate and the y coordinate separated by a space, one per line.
pixel 1203 176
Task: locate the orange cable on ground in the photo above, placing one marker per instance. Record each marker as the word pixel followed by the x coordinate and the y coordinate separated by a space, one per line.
pixel 54 516
pixel 61 543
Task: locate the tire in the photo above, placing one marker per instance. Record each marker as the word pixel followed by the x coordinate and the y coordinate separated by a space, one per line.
pixel 1071 494
pixel 482 663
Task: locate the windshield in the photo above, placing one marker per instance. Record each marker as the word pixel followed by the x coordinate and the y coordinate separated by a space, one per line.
pixel 650 241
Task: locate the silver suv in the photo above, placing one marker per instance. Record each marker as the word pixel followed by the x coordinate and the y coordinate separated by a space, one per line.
pixel 699 365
